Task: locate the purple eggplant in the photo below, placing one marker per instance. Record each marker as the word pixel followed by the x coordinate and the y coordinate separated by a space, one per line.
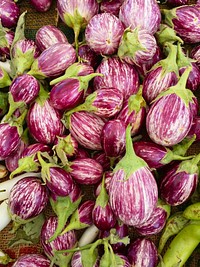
pixel 180 182
pixel 48 35
pixel 108 176
pixel 4 78
pixel 41 5
pixel 10 140
pixel 77 15
pixel 111 6
pixel 156 222
pixel 175 3
pixel 103 33
pixel 85 171
pixel 32 260
pixel 113 138
pixel 101 157
pixel 24 88
pixel 88 56
pixel 24 52
pixel 9 13
pixel 185 20
pixel 133 190
pixel 66 241
pixel 3 103
pixel 133 112
pixel 143 252
pixel 81 218
pixel 86 128
pixel 34 148
pixel 53 61
pixel 195 128
pixel 77 260
pixel 195 54
pixel 7 42
pixel 137 46
pixel 169 119
pixel 82 153
pixel 143 14
pixel 161 76
pixel 44 122
pixel 27 199
pixel 117 74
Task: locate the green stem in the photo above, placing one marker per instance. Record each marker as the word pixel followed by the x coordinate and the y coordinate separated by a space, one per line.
pixel 77 28
pixel 182 60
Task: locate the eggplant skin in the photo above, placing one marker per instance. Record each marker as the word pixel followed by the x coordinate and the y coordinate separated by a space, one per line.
pixel 32 260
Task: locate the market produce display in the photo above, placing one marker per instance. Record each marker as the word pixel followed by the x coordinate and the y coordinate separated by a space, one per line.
pixel 99 133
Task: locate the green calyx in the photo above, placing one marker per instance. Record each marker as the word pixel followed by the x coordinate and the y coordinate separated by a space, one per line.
pixel 4 258
pixel 3 103
pixel 130 44
pixel 26 164
pixel 103 198
pixel 169 15
pixel 3 40
pixel 167 34
pixel 164 206
pixel 5 79
pixel 182 59
pixel 190 166
pixel 170 156
pixel 35 70
pixel 42 96
pixel 180 89
pixel 130 163
pixel 182 147
pixel 136 102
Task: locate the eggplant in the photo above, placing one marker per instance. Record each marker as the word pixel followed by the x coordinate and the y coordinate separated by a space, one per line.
pixel 131 207
pixel 143 14
pixel 143 252
pixel 101 157
pixel 113 138
pixel 32 149
pixel 27 199
pixel 41 5
pixel 103 33
pixel 180 182
pixel 88 56
pixel 185 20
pixel 66 241
pixel 86 128
pixel 175 3
pixel 111 6
pixel 137 46
pixel 85 171
pixel 10 12
pixel 195 54
pixel 117 74
pixel 48 35
pixel 53 61
pixel 32 260
pixel 44 122
pixel 133 112
pixel 108 176
pixel 177 110
pixel 82 153
pixel 77 260
pixel 195 129
pixel 76 15
pixel 7 39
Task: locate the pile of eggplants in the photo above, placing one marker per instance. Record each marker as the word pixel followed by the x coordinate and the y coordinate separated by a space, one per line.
pixel 96 132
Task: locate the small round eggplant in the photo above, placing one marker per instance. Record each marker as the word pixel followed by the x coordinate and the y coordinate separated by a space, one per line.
pixel 41 5
pixel 9 13
pixel 111 6
pixel 32 260
pixel 88 56
pixel 175 3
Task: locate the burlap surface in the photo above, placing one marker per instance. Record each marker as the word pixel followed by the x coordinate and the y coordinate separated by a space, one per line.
pixel 34 21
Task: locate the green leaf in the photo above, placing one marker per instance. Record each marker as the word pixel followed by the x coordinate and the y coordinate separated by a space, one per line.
pixel 89 257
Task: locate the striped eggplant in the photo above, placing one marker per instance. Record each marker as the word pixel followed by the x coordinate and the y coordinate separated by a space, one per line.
pixel 88 56
pixel 81 218
pixel 53 61
pixel 48 35
pixel 41 5
pixel 82 153
pixel 103 33
pixel 180 182
pixel 44 122
pixel 7 39
pixel 4 78
pixel 143 252
pixel 174 3
pixel 133 112
pixel 169 119
pixel 131 207
pixel 85 170
pixel 32 149
pixel 185 20
pixel 77 260
pixel 32 260
pixel 195 54
pixel 117 74
pixel 137 46
pixel 156 222
pixel 24 52
pixel 161 76
pixel 77 14
pixel 195 129
pixel 111 6
pixel 113 138
pixel 24 88
pixel 86 128
pixel 9 13
pixel 27 199
pixel 63 242
pixel 139 13
pixel 101 157
pixel 108 176
pixel 104 102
